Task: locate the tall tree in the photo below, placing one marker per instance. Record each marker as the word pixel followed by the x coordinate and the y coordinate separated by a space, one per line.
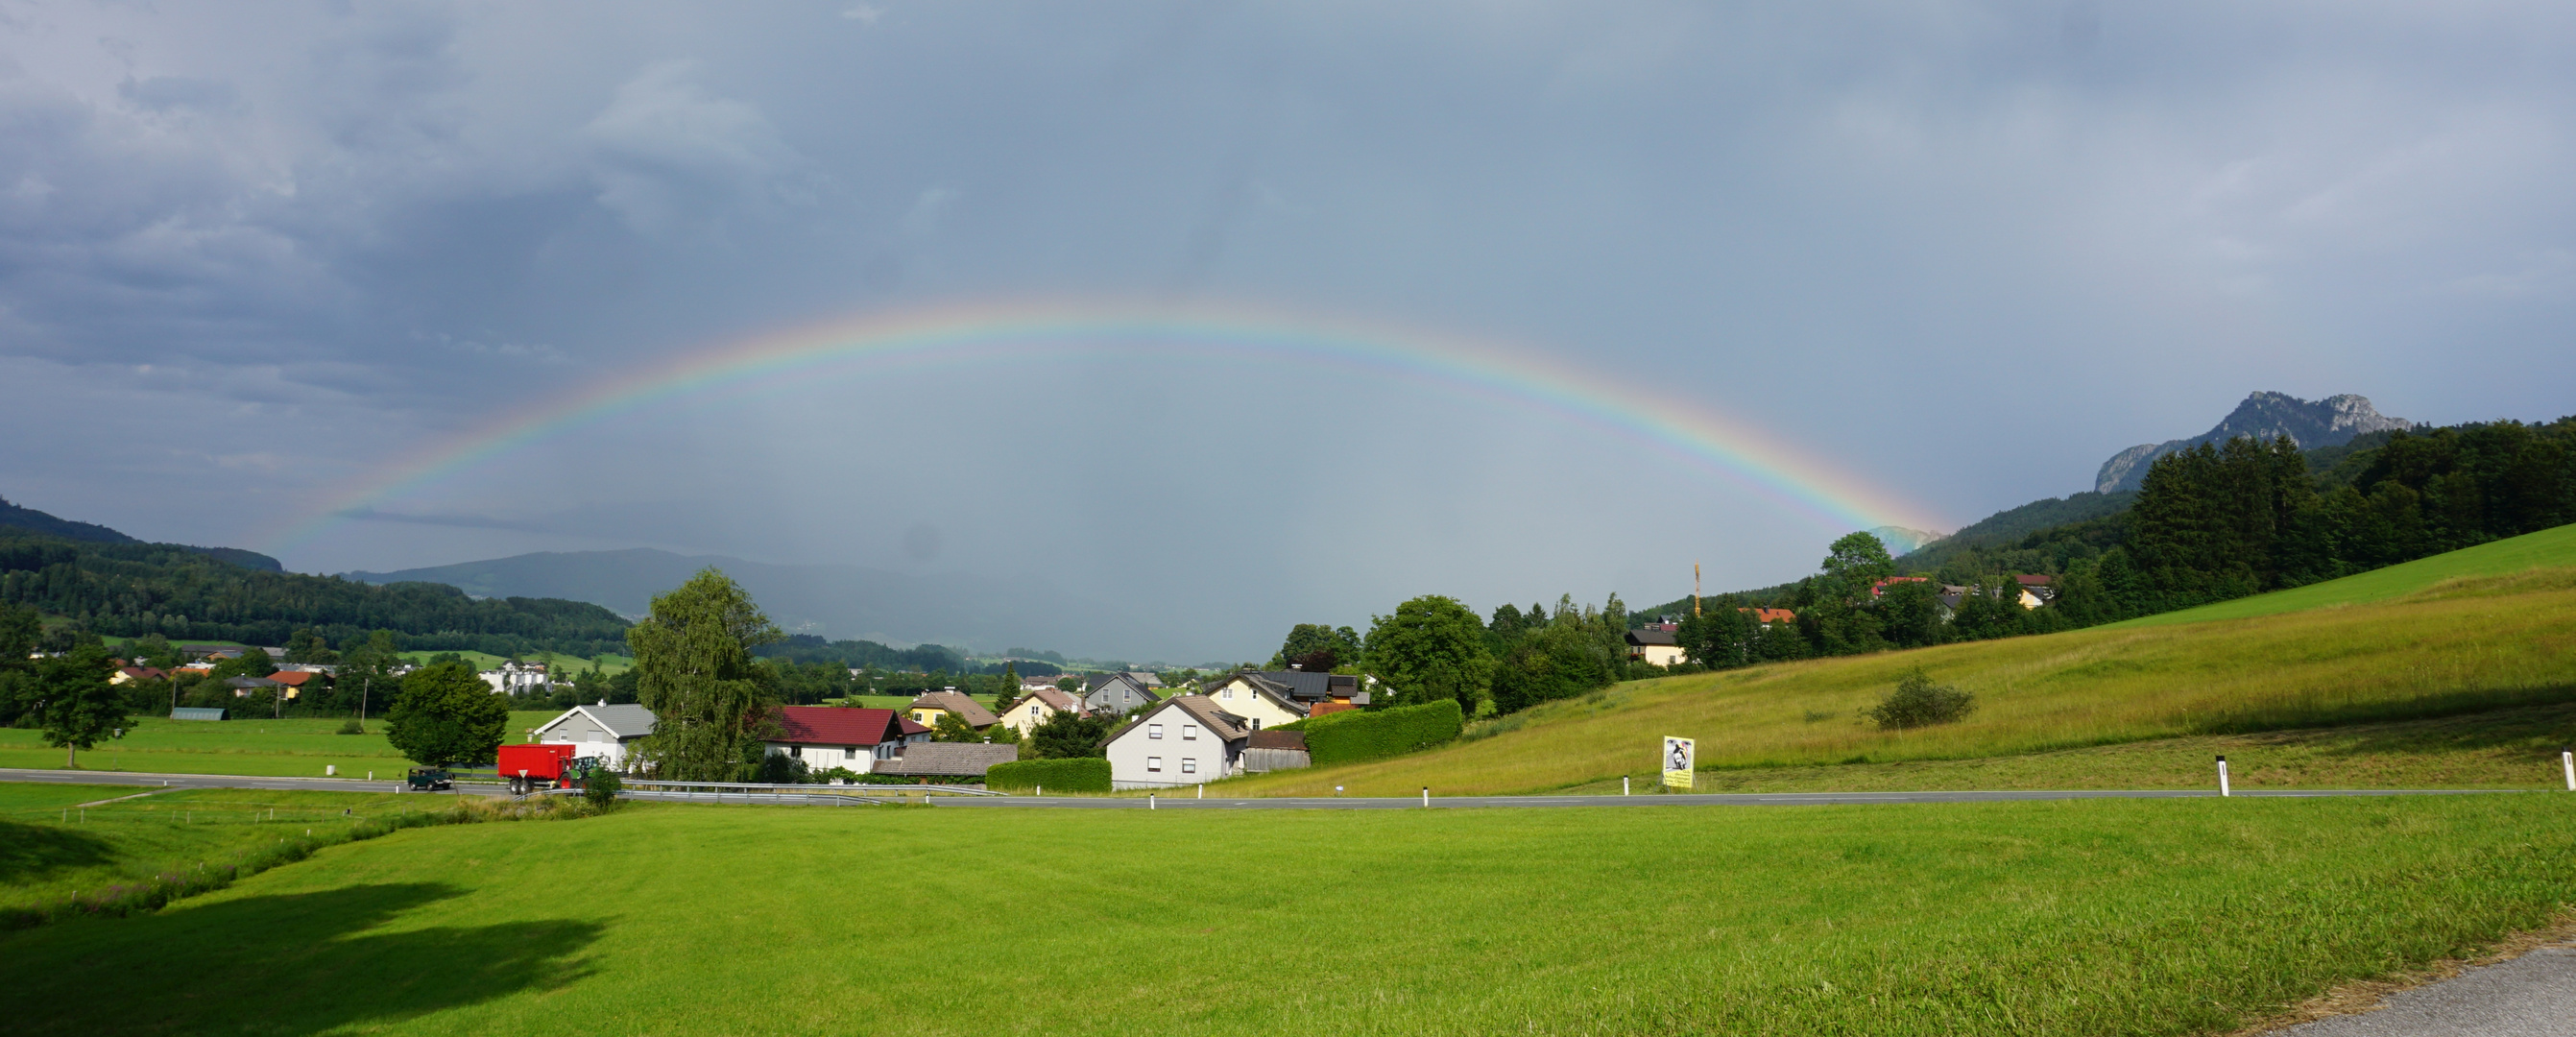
pixel 20 628
pixel 695 671
pixel 446 714
pixel 81 707
pixel 1856 561
pixel 1432 648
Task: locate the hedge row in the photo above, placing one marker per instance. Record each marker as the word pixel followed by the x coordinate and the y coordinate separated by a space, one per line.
pixel 1373 734
pixel 1081 774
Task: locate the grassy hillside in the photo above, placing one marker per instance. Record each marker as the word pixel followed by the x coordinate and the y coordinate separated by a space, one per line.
pixel 2451 648
pixel 2030 918
pixel 51 850
pixel 2549 548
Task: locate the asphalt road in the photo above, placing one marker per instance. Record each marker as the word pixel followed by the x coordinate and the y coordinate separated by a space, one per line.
pixel 223 781
pixel 1189 800
pixel 2530 996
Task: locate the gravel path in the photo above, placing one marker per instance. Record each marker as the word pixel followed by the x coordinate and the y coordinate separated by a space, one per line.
pixel 2530 996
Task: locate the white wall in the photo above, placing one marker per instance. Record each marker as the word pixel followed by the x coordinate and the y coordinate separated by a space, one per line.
pixel 1130 752
pixel 1251 705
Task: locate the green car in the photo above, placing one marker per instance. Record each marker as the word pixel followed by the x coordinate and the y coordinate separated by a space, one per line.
pixel 431 779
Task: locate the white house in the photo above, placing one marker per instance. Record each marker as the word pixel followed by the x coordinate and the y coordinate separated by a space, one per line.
pixel 1036 707
pixel 1116 693
pixel 517 678
pixel 1655 644
pixel 1185 740
pixel 857 739
pixel 604 731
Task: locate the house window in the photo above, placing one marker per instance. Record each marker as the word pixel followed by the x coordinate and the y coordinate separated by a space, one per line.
pixel 1256 723
pixel 1154 763
pixel 1229 691
pixel 849 752
pixel 1189 765
pixel 1189 732
pixel 1153 730
pixel 796 751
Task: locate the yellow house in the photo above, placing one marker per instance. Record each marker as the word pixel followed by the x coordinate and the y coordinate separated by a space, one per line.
pixel 1260 702
pixel 927 710
pixel 1036 707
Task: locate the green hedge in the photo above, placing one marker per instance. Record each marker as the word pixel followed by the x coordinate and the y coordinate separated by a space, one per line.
pixel 1373 734
pixel 1081 774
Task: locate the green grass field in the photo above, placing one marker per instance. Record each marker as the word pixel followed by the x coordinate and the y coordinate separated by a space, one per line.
pixel 50 849
pixel 2174 917
pixel 2455 647
pixel 268 748
pixel 2547 549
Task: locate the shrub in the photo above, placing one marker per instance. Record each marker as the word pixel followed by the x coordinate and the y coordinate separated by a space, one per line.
pixel 352 727
pixel 600 788
pixel 1374 734
pixel 1079 774
pixel 1917 702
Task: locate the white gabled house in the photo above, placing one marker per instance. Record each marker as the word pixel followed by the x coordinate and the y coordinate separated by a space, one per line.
pixel 1184 740
pixel 1116 693
pixel 1037 707
pixel 602 730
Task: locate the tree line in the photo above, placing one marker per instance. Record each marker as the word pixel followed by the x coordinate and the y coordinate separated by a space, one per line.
pixel 130 590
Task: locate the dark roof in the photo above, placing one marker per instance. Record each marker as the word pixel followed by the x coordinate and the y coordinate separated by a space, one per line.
pixel 1054 698
pixel 1277 739
pixel 1225 726
pixel 1651 637
pixel 833 725
pixel 250 682
pixel 957 759
pixel 194 713
pixel 624 720
pixel 967 709
pixel 1311 686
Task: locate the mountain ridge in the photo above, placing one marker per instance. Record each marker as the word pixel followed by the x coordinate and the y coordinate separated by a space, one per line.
pixel 2332 421
pixel 838 601
pixel 20 517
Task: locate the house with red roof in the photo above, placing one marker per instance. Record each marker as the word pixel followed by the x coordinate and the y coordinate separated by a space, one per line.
pixel 832 736
pixel 1766 617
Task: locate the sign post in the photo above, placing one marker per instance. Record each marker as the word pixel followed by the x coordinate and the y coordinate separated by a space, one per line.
pixel 1678 756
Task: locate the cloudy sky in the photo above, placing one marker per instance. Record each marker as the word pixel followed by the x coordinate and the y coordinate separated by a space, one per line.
pixel 255 256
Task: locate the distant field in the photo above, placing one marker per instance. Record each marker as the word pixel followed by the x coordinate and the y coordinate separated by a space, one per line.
pixel 278 748
pixel 2547 549
pixel 2028 918
pixel 2497 749
pixel 609 665
pixel 877 701
pixel 44 857
pixel 2454 648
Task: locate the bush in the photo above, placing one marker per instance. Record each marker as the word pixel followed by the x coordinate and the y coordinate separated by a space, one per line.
pixel 600 788
pixel 1079 774
pixel 1373 734
pixel 352 727
pixel 1917 702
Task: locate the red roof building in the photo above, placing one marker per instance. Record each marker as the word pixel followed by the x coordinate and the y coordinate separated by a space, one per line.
pixel 1880 587
pixel 830 736
pixel 1766 617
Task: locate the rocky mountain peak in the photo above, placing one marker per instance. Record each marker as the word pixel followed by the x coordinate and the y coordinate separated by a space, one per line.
pixel 2332 421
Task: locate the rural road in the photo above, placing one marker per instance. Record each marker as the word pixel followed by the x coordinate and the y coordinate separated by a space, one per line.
pixel 1186 801
pixel 221 781
pixel 2533 995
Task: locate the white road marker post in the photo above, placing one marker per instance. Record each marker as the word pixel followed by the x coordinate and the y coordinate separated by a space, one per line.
pixel 1623 784
pixel 1041 790
pixel 1426 795
pixel 1202 792
pixel 2222 776
pixel 2567 759
pixel 1149 801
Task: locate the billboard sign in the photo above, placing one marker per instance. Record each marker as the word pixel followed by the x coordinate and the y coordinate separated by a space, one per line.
pixel 1678 757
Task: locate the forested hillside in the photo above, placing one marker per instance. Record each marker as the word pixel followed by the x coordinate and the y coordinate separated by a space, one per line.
pixel 131 589
pixel 2211 523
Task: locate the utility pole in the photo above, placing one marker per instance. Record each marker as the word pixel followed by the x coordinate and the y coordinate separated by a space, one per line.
pixel 1694 590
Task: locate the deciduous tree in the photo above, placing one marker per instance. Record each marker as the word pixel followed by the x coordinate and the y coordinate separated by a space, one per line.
pixel 1431 648
pixel 81 708
pixel 446 714
pixel 695 671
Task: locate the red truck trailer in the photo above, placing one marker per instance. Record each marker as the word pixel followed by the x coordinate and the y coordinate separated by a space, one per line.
pixel 531 767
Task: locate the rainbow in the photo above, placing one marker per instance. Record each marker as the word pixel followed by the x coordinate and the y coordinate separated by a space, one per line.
pixel 984 332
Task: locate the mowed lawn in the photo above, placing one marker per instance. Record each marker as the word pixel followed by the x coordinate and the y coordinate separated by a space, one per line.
pixel 2547 549
pixel 50 849
pixel 2455 648
pixel 2177 917
pixel 293 748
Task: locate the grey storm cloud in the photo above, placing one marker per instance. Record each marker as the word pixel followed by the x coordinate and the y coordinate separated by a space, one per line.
pixel 261 255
